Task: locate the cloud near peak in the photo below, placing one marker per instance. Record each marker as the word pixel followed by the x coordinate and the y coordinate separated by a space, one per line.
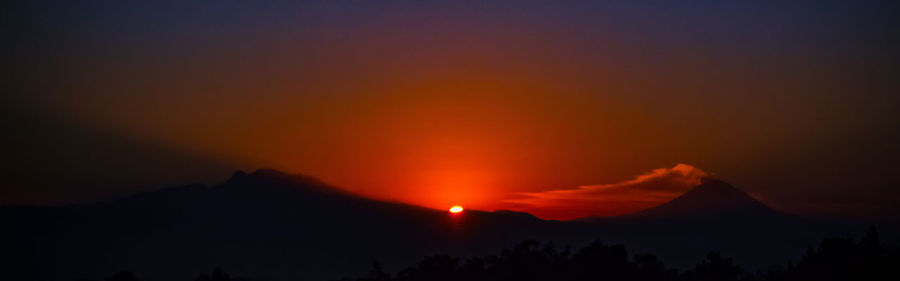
pixel 644 191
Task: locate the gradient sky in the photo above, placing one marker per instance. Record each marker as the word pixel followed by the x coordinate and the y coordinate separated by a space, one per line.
pixel 472 103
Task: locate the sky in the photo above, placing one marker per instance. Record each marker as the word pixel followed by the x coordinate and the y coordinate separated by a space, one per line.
pixel 489 105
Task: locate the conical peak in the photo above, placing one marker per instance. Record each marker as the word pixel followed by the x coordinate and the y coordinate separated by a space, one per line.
pixel 712 185
pixel 712 197
pixel 270 175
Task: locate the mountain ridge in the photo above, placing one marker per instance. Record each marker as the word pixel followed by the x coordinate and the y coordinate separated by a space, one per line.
pixel 271 224
pixel 713 197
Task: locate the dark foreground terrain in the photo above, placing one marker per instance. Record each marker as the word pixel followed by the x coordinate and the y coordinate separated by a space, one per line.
pixel 832 259
pixel 273 226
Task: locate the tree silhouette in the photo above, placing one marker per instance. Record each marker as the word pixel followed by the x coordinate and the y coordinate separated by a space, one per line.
pixel 648 267
pixel 376 274
pixel 833 259
pixel 867 259
pixel 715 268
pixel 847 259
pixel 600 261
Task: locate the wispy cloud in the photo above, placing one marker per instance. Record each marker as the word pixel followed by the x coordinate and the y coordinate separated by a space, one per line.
pixel 644 191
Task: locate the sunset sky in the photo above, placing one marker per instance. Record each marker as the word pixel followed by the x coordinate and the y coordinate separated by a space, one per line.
pixel 518 105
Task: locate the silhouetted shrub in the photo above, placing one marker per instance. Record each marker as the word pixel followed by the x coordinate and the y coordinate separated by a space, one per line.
pixel 715 268
pixel 833 259
pixel 847 259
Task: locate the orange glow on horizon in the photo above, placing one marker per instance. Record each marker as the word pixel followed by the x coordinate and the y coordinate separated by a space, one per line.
pixel 483 128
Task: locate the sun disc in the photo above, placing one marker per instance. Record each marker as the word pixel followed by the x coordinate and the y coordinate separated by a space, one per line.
pixel 456 209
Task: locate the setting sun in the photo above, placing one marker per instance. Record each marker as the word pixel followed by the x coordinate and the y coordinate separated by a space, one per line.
pixel 456 209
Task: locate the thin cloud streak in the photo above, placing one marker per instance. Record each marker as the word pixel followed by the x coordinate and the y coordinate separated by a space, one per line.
pixel 644 191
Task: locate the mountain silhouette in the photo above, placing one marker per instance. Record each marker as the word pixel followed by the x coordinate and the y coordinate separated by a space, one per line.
pixel 712 198
pixel 266 223
pixel 277 226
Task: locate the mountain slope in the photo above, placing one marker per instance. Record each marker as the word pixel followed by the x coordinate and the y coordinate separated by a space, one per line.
pixel 274 226
pixel 712 198
pixel 264 224
pixel 716 216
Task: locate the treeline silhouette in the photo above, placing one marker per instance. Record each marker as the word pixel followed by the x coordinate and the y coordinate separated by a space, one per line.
pixel 832 259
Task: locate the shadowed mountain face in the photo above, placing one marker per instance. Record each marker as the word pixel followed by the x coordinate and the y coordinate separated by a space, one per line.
pixel 712 198
pixel 92 162
pixel 265 224
pixel 276 226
